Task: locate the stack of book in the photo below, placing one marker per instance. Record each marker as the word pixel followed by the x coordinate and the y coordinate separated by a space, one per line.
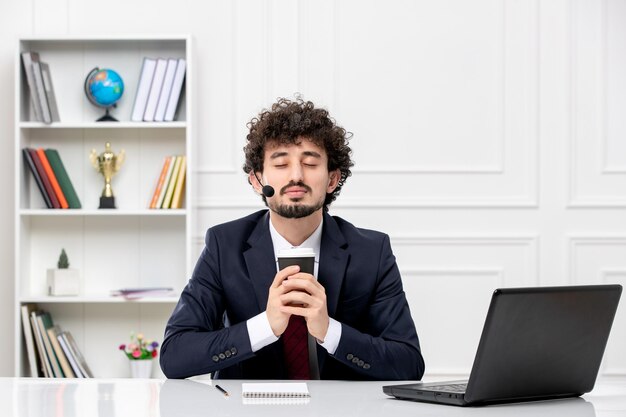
pixel 42 98
pixel 137 293
pixel 52 352
pixel 168 192
pixel 159 89
pixel 51 178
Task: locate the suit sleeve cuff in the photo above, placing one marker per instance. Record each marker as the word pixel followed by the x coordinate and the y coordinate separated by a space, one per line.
pixel 333 335
pixel 260 332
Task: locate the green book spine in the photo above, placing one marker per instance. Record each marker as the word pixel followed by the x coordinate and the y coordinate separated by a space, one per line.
pixel 63 178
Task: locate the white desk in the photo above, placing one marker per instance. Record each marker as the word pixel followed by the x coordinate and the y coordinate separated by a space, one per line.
pixel 172 398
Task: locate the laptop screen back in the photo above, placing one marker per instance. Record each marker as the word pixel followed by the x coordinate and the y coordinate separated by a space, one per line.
pixel 542 342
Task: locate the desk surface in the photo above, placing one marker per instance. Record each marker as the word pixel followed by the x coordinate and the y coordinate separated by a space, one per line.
pixel 172 398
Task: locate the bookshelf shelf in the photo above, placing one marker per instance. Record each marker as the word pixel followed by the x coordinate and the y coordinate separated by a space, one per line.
pixel 103 213
pixel 99 299
pixel 128 247
pixel 104 125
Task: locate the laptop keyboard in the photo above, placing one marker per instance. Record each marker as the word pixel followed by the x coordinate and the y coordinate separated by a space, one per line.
pixel 456 388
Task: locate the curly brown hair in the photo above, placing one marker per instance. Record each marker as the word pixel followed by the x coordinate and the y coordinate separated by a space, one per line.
pixel 287 122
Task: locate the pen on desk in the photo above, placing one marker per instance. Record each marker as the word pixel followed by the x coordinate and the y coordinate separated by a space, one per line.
pixel 223 391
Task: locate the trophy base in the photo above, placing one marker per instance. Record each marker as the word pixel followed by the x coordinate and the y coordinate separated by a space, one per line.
pixel 107 203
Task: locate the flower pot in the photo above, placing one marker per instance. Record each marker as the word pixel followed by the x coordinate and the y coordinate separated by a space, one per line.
pixel 63 282
pixel 141 368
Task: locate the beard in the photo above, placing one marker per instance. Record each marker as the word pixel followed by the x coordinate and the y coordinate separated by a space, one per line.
pixel 295 211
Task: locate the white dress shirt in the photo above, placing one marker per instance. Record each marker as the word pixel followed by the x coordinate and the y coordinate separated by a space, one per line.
pixel 259 328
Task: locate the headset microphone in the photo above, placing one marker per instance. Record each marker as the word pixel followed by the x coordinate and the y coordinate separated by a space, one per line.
pixel 267 190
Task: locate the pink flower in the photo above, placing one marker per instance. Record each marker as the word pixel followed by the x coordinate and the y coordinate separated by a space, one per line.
pixel 136 353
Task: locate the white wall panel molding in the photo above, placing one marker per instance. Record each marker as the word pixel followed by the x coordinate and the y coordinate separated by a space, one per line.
pixel 516 255
pixel 603 253
pixel 372 203
pixel 504 173
pixel 597 88
pixel 449 342
pixel 599 259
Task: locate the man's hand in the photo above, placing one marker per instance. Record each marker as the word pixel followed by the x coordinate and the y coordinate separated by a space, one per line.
pixel 277 318
pixel 304 296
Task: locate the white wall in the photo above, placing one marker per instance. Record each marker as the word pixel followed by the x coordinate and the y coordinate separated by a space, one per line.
pixel 488 135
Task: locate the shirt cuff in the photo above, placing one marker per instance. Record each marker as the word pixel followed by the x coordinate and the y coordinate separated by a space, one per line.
pixel 333 335
pixel 260 332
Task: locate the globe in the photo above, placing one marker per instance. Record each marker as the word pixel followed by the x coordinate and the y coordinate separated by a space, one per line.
pixel 104 87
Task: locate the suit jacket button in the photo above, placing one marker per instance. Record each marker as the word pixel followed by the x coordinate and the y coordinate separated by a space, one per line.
pixel 215 358
pixel 349 356
pixel 233 351
pixel 355 360
pixel 366 366
pixel 227 353
pixel 222 356
pixel 360 363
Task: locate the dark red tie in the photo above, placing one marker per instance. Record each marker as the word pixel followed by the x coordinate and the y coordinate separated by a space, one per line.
pixel 295 343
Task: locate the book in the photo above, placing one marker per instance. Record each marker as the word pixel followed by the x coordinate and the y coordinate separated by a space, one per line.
pixel 168 176
pixel 33 169
pixel 53 179
pixel 168 81
pixel 155 90
pixel 172 183
pixel 177 87
pixel 62 338
pixel 63 178
pixel 275 390
pixel 46 368
pixel 41 91
pixel 143 89
pixel 27 62
pixel 180 184
pixel 44 321
pixel 80 359
pixel 160 182
pixel 53 333
pixel 44 179
pixel 136 293
pixel 49 90
pixel 29 338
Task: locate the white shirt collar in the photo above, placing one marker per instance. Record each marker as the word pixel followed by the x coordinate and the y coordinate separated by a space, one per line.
pixel 314 241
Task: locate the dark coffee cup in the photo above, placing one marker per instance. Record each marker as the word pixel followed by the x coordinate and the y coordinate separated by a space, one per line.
pixel 303 257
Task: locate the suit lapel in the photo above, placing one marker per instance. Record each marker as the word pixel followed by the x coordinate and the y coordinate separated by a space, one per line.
pixel 333 262
pixel 261 261
pixel 332 269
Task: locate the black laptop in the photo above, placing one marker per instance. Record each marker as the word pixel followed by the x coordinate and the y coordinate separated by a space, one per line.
pixel 537 343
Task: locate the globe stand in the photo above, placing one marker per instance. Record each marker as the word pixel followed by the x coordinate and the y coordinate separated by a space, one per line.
pixel 107 118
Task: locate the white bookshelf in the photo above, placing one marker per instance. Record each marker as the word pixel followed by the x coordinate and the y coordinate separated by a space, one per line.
pixel 131 246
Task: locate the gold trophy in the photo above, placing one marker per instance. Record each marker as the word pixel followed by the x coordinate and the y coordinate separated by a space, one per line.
pixel 107 164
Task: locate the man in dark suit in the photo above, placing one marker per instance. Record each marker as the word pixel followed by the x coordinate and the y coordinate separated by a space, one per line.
pixel 241 317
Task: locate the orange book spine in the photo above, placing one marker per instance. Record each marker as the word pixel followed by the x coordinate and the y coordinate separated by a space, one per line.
pixel 157 191
pixel 53 179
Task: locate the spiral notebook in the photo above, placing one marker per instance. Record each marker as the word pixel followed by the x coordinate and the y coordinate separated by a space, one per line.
pixel 275 390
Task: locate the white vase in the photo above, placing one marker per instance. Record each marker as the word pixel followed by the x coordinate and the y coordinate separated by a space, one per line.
pixel 141 368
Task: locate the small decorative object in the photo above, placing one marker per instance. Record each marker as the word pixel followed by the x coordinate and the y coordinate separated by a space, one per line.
pixel 107 164
pixel 104 87
pixel 63 280
pixel 140 352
